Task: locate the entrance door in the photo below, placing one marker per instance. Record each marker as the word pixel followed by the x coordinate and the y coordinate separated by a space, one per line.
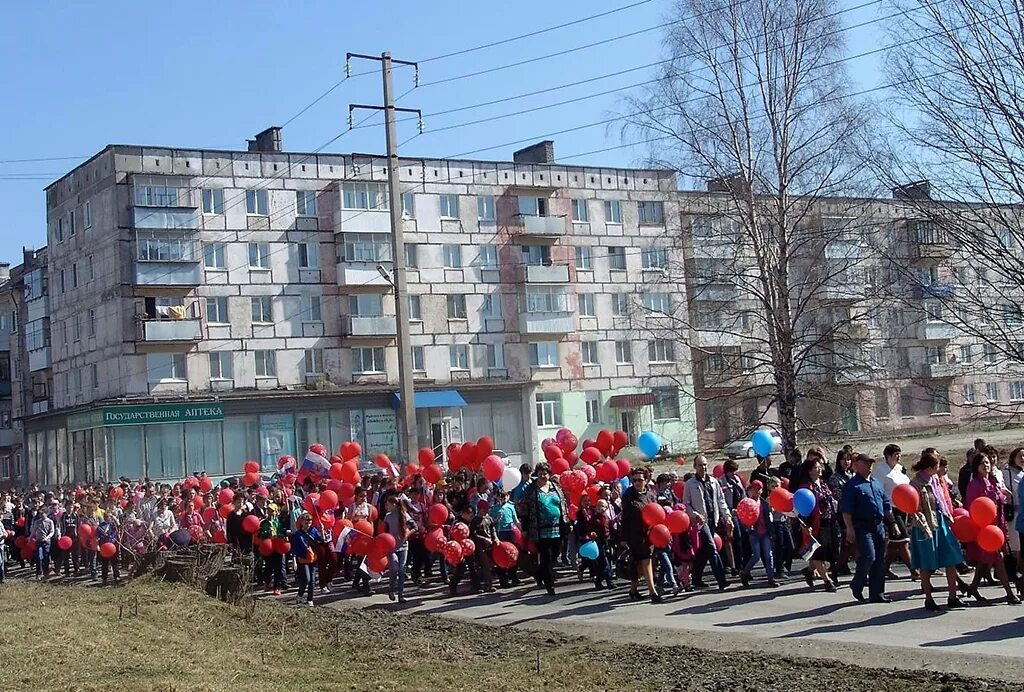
pixel 628 419
pixel 440 438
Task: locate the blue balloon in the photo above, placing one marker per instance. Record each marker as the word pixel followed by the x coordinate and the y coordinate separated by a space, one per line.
pixel 589 550
pixel 804 502
pixel 624 483
pixel 649 444
pixel 764 443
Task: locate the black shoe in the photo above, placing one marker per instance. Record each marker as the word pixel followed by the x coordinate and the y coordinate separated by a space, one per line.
pixel 598 586
pixel 955 603
pixel 929 604
pixel 808 577
pixel 859 595
pixel 1011 599
pixel 830 587
pixel 745 579
pixel 881 599
pixel 700 585
pixel 551 591
pixel 723 585
pixel 656 598
pixel 635 596
pixel 976 595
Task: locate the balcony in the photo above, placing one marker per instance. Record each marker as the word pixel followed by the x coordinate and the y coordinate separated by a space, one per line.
pixel 170 331
pixel 937 331
pixel 166 218
pixel 932 251
pixel 847 293
pixel 362 275
pixel 543 226
pixel 849 374
pixel 942 371
pixel 184 272
pixel 367 327
pixel 6 437
pixel 554 322
pixel 715 292
pixel 935 290
pixel 362 221
pixel 707 338
pixel 39 359
pixel 547 274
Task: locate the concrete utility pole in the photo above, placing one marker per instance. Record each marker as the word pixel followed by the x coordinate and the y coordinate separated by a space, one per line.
pixel 407 420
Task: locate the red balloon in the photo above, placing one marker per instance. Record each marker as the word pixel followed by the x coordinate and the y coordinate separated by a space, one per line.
pixel 906 498
pixel 225 496
pixel 224 511
pixel 251 523
pixel 547 442
pixel 209 514
pixel 349 450
pixel 624 467
pixel 65 543
pixel 748 510
pixel 206 484
pixel 364 527
pixel 250 479
pixel 718 471
pixel 493 468
pixel 605 441
pixel 960 512
pixel 718 542
pixel 590 473
pixel 677 489
pixel 108 550
pixel 558 465
pixel 251 466
pixel 438 514
pixel 412 469
pixel 677 521
pixel 377 563
pixel 569 443
pixel 459 531
pixel 621 439
pixel 505 555
pixel 337 471
pixel 281 545
pixel 219 536
pixel 382 461
pixel 991 539
pixel 983 511
pixel 432 474
pixel 607 471
pixel 266 547
pixel 350 472
pixel 589 442
pixel 384 543
pixel 552 452
pixel 328 500
pixel 484 447
pixel 573 511
pixel 653 514
pixel 590 455
pixel 468 547
pixel 467 456
pixel 318 448
pixel 453 552
pixel 434 540
pixel 426 456
pixel 594 491
pixel 660 536
pixel 965 530
pixel 347 491
pixel 116 493
pixel 781 500
pixel 309 503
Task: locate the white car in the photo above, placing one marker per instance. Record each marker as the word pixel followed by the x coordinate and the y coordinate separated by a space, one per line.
pixel 745 448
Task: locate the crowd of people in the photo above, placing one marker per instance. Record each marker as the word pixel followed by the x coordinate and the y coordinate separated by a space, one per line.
pixel 534 531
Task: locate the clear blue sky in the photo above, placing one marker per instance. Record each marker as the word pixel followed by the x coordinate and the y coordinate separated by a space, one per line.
pixel 79 76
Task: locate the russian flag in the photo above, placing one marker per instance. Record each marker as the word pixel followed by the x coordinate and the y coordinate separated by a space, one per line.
pixel 313 465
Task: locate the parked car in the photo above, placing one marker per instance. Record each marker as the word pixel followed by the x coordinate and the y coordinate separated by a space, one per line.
pixel 743 447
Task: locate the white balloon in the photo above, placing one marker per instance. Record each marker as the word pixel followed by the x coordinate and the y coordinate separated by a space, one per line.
pixel 510 478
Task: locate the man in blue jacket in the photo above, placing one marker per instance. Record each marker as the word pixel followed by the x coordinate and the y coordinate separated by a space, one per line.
pixel 866 511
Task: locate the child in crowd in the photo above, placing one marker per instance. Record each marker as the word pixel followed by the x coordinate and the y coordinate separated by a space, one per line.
pixel 506 520
pixel 684 547
pixel 759 536
pixel 273 565
pixel 781 537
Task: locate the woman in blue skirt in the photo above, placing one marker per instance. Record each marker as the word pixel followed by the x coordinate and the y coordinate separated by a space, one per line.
pixel 932 543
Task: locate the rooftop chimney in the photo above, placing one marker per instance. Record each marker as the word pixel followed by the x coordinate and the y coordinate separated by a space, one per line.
pixel 268 140
pixel 5 271
pixel 917 190
pixel 541 152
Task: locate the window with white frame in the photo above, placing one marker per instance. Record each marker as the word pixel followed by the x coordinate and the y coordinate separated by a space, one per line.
pixel 161 196
pixel 666 403
pixel 365 304
pixel 1012 315
pixel 536 255
pixel 488 257
pixel 262 310
pixel 36 336
pixel 259 255
pixel 217 310
pixel 266 363
pixel 549 410
pixel 654 258
pixel 364 196
pixel 311 309
pixel 587 308
pixel 308 255
pixel 367 247
pixel 1017 390
pixel 612 211
pixel 87 215
pixel 584 258
pixel 495 356
pixel 966 354
pixel 934 355
pixel 593 407
pixel 415 308
pixel 623 352
pixel 533 206
pixel 660 351
pixel 213 256
pixel 544 354
pixel 546 299
pixel 589 351
pixel 221 366
pixel 166 367
pixel 449 206
pixel 580 212
pixel 313 361
pixel 213 201
pixel 412 255
pixel 969 395
pixel 458 357
pixel 256 202
pixel 491 308
pixel 620 304
pixel 616 257
pixel 933 311
pixel 452 255
pixel 368 360
pixel 166 248
pixel 409 205
pixel 658 302
pixel 456 307
pixel 940 400
pixel 418 359
pixel 991 354
pixel 650 213
pixel 485 208
pixel 305 203
pixel 992 391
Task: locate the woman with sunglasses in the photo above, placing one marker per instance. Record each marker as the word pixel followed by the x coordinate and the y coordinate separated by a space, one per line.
pixel 634 532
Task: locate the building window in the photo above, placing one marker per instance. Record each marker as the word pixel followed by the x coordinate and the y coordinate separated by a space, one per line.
pixel 940 400
pixel 408 205
pixel 658 302
pixel 533 206
pixel 452 256
pixel 933 311
pixel 991 354
pixel 90 322
pixel 458 357
pixel 583 257
pixel 368 360
pixel 882 404
pixel 579 211
pixel 907 407
pixel 74 275
pixel 364 196
pixel 262 310
pixel 488 257
pixel 76 329
pixel 969 394
pixel 213 256
pixel 308 255
pixel 415 309
pixel 165 249
pixel 367 247
pixel 449 206
pixel 457 307
pixel 660 351
pixel 587 308
pixel 89 274
pixel 305 203
pixel 654 258
pixel 60 230
pixel 544 354
pixel 365 305
pixel 412 259
pixel 495 356
pixel 491 308
pixel 589 352
pixel 620 304
pixel 623 353
pixel 217 310
pixel 256 202
pixel 666 403
pixel 313 361
pixel 1017 390
pixel 94 375
pixel 992 392
pixel 311 311
pixel 965 355
pixel 63 283
pixel 537 255
pixel 221 367
pixel 650 213
pixel 259 256
pixel 87 215
pixel 266 363
pixel 546 299
pixel 160 196
pixel 593 407
pixel 166 367
pixel 485 208
pixel 549 410
pixel 612 211
pixel 934 355
pixel 418 361
pixel 616 257
pixel 213 201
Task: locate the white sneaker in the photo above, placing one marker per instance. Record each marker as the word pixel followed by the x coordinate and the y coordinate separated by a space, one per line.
pixel 325 589
pixel 309 603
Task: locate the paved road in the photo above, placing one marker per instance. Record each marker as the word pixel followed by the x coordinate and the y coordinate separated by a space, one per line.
pixel 986 639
